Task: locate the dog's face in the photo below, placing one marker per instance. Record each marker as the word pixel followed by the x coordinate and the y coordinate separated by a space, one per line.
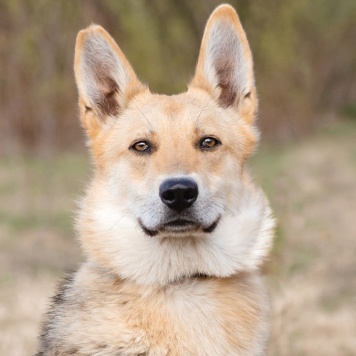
pixel 169 194
pixel 174 164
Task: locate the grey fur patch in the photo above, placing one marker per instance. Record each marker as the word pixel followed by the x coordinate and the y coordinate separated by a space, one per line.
pixel 47 326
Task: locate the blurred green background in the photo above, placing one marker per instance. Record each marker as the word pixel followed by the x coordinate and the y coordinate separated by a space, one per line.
pixel 304 54
pixel 305 63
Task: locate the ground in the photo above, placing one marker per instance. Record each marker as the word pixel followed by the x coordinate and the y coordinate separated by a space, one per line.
pixel 311 273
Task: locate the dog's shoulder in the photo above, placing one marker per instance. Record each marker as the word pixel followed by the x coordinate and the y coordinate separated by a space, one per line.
pixel 84 318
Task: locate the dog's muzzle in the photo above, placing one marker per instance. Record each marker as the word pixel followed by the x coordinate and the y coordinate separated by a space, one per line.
pixel 179 194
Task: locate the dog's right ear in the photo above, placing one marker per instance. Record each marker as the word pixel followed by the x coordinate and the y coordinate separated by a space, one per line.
pixel 105 79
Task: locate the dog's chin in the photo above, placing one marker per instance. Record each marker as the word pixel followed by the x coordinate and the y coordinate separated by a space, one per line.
pixel 180 228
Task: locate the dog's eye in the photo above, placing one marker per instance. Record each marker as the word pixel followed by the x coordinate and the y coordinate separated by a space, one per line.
pixel 208 143
pixel 141 146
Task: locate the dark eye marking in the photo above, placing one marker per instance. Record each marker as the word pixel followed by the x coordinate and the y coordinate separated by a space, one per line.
pixel 142 147
pixel 208 143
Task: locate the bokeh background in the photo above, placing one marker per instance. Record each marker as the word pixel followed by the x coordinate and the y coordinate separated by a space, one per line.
pixel 305 62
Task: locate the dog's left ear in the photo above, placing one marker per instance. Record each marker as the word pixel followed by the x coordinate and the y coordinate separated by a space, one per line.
pixel 225 65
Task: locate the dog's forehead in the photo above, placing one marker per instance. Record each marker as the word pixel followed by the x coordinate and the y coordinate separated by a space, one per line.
pixel 183 108
pixel 180 105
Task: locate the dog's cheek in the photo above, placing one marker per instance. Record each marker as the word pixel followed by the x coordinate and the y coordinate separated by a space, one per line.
pixel 223 166
pixel 248 137
pixel 123 181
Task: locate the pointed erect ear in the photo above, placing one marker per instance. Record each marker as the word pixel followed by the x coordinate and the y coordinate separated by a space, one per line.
pixel 225 66
pixel 105 79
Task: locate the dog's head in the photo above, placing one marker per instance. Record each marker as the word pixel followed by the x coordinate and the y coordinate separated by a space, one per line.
pixel 170 197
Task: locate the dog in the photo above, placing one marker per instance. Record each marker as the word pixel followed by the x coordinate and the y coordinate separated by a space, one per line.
pixel 173 229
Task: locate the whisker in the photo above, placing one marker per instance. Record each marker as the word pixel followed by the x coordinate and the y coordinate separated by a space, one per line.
pixel 197 125
pixel 145 117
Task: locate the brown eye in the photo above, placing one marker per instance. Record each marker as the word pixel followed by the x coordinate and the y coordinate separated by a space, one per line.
pixel 141 146
pixel 208 143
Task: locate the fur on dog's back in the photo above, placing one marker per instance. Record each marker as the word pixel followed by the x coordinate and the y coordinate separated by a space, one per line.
pixel 163 278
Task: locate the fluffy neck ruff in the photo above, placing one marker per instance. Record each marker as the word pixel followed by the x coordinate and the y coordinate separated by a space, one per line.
pixel 240 242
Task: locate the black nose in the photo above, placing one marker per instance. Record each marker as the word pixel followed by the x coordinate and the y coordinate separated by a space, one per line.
pixel 178 194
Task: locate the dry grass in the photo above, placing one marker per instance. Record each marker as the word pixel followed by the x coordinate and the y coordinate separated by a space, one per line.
pixel 313 279
pixel 36 242
pixel 311 275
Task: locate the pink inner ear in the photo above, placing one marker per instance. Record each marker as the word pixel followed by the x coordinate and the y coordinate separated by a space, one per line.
pixel 99 67
pixel 226 56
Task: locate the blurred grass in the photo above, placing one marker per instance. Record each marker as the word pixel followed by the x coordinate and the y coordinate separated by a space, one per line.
pixel 311 185
pixel 37 199
pixel 29 184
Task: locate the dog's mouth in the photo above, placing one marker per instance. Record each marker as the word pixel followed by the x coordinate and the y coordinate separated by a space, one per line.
pixel 179 227
pixel 179 223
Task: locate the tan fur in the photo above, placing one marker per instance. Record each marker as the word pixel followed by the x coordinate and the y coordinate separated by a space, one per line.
pixel 189 293
pixel 161 321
